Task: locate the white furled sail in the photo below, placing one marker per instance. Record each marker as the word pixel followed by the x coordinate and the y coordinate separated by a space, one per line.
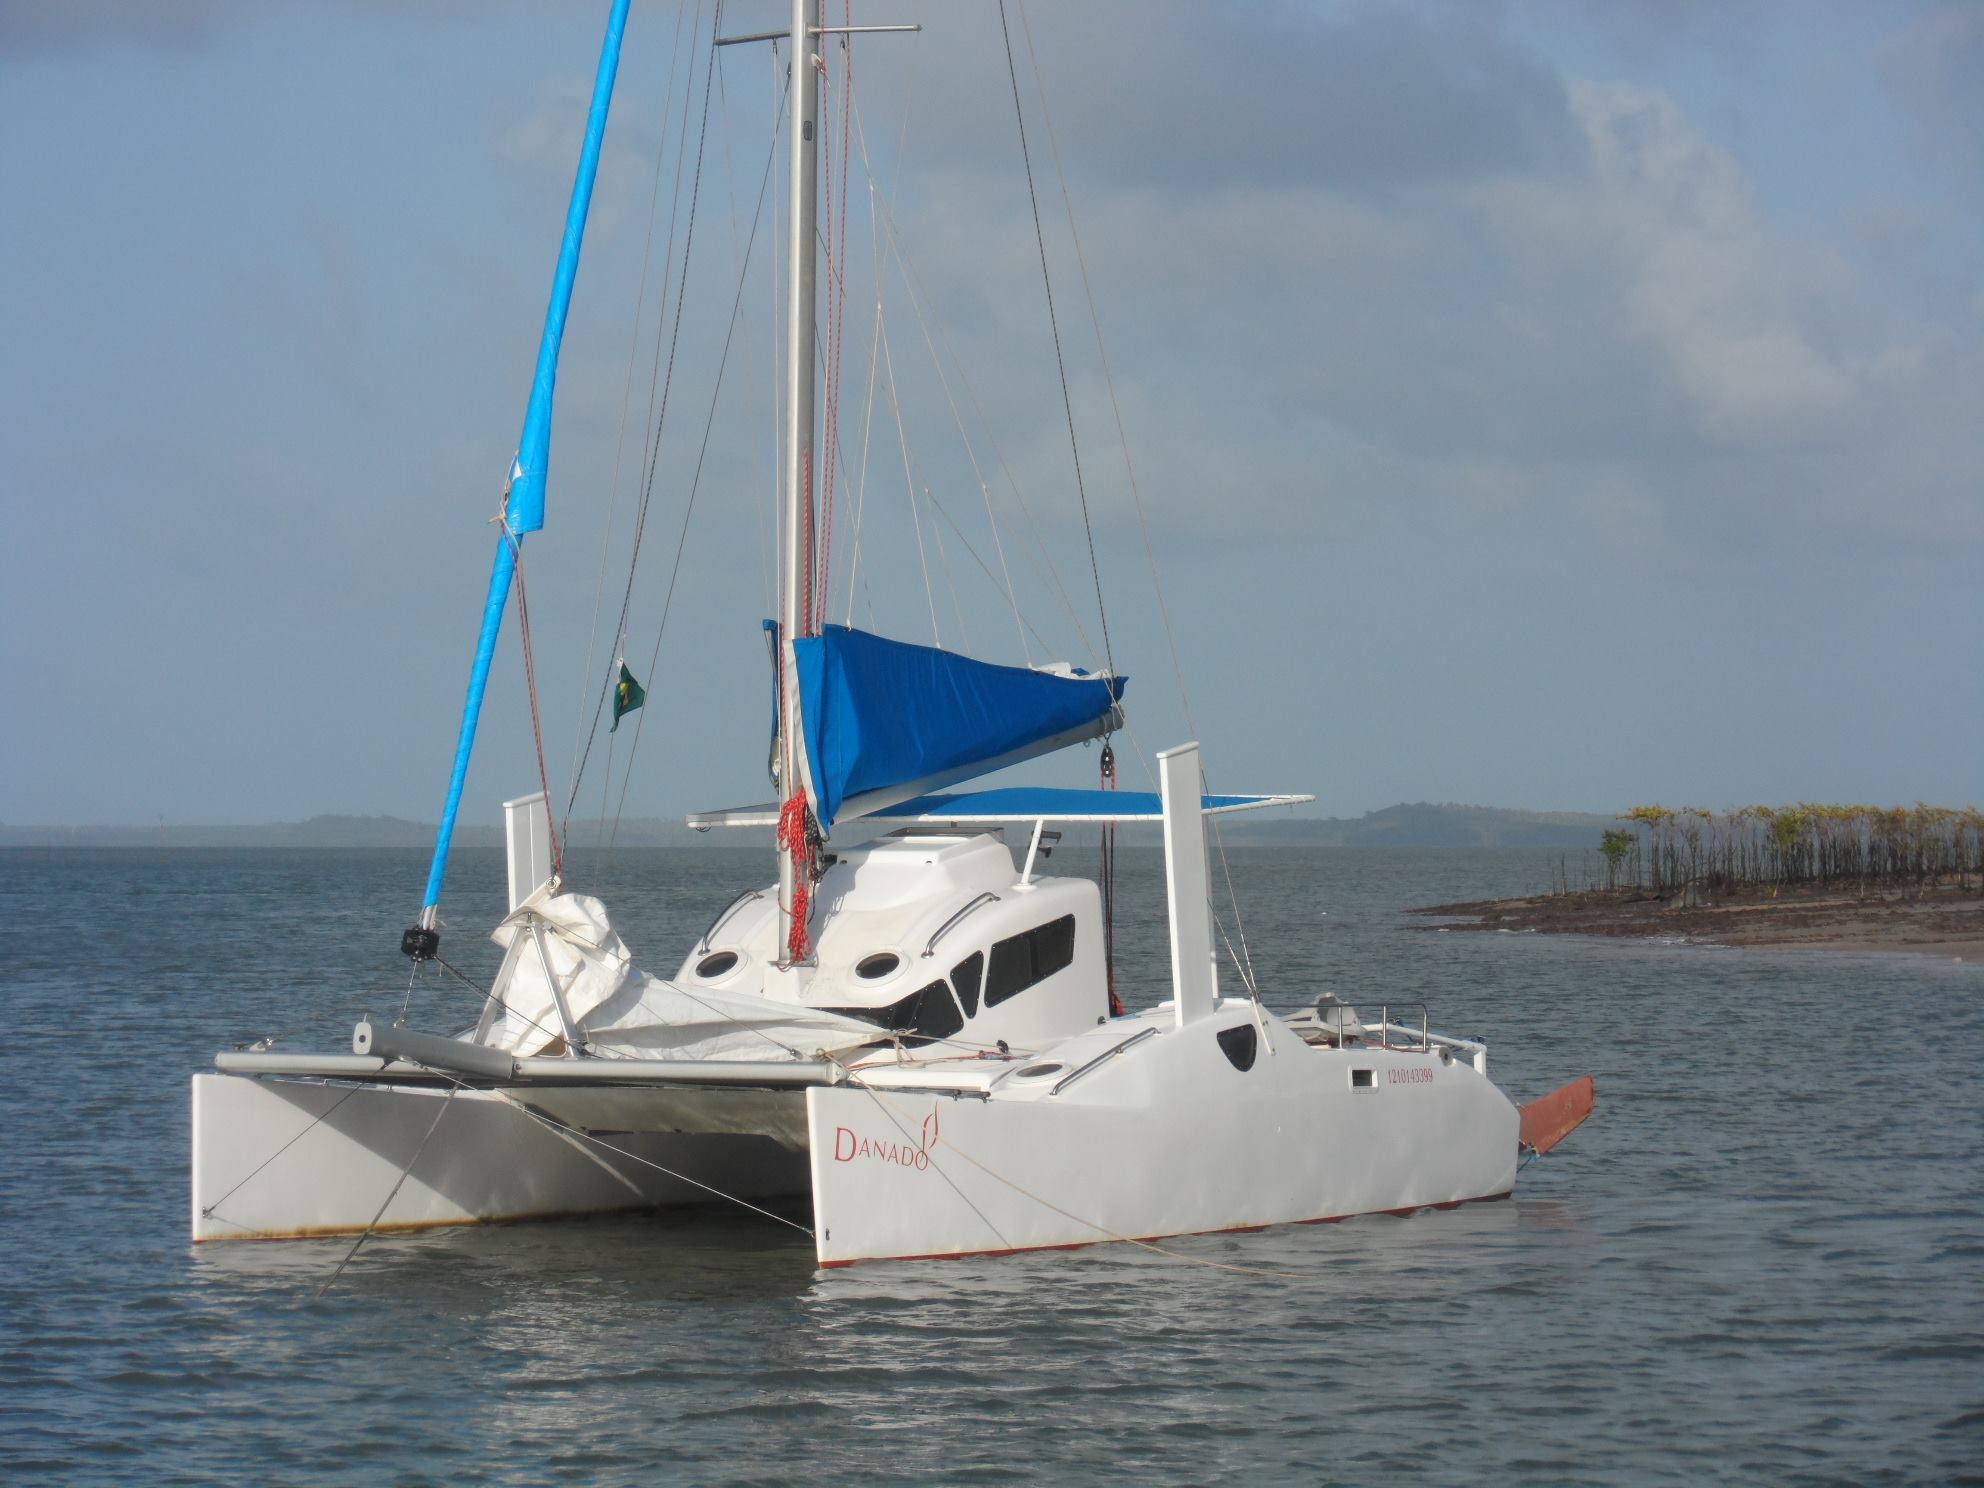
pixel 569 980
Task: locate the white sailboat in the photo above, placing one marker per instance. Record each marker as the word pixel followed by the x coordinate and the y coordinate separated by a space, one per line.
pixel 914 1031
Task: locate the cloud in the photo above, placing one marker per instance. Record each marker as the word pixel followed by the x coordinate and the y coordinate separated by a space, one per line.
pixel 35 26
pixel 1731 308
pixel 1934 70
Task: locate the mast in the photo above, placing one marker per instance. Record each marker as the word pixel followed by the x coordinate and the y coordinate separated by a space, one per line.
pixel 523 495
pixel 797 527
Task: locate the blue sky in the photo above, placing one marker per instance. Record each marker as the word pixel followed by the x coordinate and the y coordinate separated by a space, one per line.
pixel 1532 404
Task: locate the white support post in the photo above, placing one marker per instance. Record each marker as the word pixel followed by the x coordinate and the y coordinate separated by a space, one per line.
pixel 574 1044
pixel 1032 852
pixel 527 835
pixel 1194 984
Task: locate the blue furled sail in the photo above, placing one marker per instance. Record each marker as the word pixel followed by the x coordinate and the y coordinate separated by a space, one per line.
pixel 523 501
pixel 884 721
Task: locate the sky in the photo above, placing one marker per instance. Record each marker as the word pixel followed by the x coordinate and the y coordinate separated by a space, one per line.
pixel 1515 402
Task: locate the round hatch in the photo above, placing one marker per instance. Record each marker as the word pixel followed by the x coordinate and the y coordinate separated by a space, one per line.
pixel 719 963
pixel 874 968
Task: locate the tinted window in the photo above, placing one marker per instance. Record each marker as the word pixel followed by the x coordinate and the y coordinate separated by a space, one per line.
pixel 1053 947
pixel 931 1013
pixel 1239 1045
pixel 1011 970
pixel 1021 960
pixel 965 976
pixel 936 1012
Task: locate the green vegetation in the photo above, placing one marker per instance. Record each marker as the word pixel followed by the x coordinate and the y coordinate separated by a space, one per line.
pixel 1801 844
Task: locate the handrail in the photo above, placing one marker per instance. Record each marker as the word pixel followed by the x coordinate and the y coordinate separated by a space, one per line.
pixel 1075 1074
pixel 1423 1032
pixel 703 943
pixel 945 929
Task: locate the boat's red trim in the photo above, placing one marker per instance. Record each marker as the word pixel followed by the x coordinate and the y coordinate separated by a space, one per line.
pixel 978 1255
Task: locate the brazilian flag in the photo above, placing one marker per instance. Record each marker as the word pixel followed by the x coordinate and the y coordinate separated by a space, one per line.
pixel 627 696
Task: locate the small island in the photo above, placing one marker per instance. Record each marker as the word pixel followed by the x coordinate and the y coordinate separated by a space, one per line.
pixel 1843 878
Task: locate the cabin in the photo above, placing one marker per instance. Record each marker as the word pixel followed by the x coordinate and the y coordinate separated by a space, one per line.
pixel 931 936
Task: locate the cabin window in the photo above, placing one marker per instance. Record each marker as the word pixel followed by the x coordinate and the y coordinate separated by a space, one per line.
pixel 1360 1079
pixel 1239 1044
pixel 935 1014
pixel 1020 961
pixel 965 977
pixel 929 1013
pixel 713 966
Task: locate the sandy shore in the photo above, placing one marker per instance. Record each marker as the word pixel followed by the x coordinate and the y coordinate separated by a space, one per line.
pixel 1928 920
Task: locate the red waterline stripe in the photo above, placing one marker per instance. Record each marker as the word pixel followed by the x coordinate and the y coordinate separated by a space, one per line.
pixel 975 1255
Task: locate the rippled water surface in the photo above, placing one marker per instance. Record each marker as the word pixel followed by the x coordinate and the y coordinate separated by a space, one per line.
pixel 1762 1260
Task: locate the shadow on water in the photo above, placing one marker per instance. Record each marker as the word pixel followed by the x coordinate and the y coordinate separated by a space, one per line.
pixel 699 1254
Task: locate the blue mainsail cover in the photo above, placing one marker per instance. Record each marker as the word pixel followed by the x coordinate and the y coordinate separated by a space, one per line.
pixel 877 714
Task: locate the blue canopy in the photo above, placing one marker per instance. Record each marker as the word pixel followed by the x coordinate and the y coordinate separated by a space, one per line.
pixel 1049 803
pixel 884 719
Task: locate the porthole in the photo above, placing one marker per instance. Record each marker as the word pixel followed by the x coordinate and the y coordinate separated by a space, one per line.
pixel 874 968
pixel 1034 1071
pixel 719 963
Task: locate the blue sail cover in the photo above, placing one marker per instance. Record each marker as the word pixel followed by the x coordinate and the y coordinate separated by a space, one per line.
pixel 877 713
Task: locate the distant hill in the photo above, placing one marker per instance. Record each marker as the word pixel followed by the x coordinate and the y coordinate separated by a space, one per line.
pixel 1418 825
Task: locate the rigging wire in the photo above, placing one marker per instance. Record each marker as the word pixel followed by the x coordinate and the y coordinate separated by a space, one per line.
pixel 702 453
pixel 1060 363
pixel 924 306
pixel 530 690
pixel 909 484
pixel 1244 960
pixel 659 419
pixel 626 399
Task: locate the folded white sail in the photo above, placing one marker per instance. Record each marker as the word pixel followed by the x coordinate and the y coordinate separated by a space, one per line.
pixel 623 1012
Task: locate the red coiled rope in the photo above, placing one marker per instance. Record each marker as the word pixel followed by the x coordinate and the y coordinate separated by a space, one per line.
pixel 792 838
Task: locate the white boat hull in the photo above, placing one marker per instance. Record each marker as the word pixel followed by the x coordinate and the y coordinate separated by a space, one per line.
pixel 903 1161
pixel 1119 1155
pixel 276 1158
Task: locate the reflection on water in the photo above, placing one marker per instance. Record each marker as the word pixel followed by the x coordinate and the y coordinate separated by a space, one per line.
pixel 1760 1260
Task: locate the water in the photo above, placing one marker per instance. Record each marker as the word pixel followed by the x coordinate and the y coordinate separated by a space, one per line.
pixel 1761 1260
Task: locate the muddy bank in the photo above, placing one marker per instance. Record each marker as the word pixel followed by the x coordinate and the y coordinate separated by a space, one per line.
pixel 1932 920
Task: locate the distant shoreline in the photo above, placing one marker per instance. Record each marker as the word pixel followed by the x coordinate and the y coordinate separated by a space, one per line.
pixel 1925 919
pixel 1417 825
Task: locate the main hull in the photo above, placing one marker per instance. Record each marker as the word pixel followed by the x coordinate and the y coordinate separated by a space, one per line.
pixel 1119 1155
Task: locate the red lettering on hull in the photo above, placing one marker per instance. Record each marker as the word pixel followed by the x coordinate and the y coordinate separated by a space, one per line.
pixel 850 1146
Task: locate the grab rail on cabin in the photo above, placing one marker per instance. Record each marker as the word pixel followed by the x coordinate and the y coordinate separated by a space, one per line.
pixel 988 897
pixel 1107 1054
pixel 703 943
